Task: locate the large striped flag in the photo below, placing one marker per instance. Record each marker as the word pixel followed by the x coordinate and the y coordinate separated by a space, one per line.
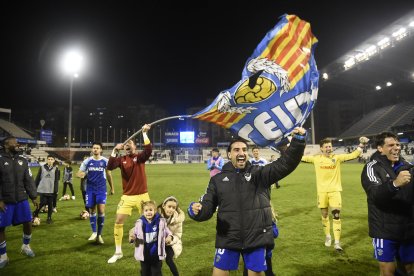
pixel 278 88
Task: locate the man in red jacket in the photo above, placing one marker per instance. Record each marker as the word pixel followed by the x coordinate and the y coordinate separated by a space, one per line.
pixel 134 184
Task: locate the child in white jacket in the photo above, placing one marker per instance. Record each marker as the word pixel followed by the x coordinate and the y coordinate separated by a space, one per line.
pixel 175 216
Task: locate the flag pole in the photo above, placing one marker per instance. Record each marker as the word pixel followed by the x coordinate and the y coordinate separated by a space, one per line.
pixel 158 121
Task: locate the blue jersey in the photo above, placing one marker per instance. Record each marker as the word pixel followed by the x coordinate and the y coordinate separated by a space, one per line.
pixel 260 162
pixel 95 173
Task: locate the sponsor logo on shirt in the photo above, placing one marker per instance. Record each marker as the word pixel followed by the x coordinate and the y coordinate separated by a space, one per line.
pixel 99 169
pixel 330 167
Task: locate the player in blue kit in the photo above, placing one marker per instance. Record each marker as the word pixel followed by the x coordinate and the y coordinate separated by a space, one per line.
pixel 94 169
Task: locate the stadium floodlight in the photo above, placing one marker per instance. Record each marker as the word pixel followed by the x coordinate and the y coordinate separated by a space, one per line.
pixel 400 33
pixel 383 43
pixel 377 87
pixel 389 83
pixel 400 133
pixel 361 56
pixel 72 63
pixel 371 50
pixel 411 24
pixel 325 76
pixel 349 63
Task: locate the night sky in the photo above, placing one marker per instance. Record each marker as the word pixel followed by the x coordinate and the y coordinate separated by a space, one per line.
pixel 171 54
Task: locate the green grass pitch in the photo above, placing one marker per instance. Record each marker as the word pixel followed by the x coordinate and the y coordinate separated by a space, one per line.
pixel 62 248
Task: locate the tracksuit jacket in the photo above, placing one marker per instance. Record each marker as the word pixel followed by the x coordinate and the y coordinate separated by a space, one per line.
pixel 244 218
pixel 16 182
pixel 390 209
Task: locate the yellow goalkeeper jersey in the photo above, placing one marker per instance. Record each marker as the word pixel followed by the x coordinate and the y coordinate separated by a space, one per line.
pixel 328 170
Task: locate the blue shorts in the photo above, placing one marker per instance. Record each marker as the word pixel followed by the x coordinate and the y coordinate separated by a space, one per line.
pixel 388 250
pixel 226 259
pixel 93 198
pixel 16 213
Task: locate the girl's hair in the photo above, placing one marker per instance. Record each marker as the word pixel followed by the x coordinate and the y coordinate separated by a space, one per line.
pixel 146 203
pixel 169 198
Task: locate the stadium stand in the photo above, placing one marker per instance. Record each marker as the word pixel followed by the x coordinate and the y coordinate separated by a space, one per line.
pixel 12 129
pixel 382 119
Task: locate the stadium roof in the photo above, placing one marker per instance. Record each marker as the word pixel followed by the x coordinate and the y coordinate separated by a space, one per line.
pixel 371 64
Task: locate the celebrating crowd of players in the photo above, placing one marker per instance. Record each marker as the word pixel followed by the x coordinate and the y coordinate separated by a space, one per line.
pixel 239 191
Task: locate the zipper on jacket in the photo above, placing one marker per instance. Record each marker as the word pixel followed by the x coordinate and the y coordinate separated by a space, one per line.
pixel 241 210
pixel 16 190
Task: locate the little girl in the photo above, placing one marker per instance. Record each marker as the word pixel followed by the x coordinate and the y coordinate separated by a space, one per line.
pixel 175 216
pixel 150 235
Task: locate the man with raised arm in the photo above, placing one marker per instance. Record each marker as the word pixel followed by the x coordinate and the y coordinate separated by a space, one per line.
pixel 244 217
pixel 134 184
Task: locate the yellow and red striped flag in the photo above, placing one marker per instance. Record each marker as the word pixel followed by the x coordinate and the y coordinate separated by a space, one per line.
pixel 278 88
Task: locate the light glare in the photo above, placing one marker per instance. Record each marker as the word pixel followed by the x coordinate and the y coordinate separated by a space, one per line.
pixel 72 63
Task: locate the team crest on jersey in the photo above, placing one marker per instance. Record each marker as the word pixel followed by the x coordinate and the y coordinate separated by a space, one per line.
pixel 154 228
pixel 20 162
pixel 135 159
pixel 247 176
pixel 101 164
pixel 333 160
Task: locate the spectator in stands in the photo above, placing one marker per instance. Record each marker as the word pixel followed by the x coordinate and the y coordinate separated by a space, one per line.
pixel 242 194
pixel 388 182
pixel 328 182
pixel 257 160
pixel 215 163
pixel 47 182
pixel 16 186
pixel 67 179
pixel 134 184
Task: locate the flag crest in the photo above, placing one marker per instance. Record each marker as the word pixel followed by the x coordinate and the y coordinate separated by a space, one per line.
pixel 278 88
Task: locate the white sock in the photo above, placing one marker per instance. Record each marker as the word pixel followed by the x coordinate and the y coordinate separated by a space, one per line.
pixel 4 256
pixel 118 249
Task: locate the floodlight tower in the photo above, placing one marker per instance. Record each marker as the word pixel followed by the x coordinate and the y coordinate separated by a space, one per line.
pixel 72 64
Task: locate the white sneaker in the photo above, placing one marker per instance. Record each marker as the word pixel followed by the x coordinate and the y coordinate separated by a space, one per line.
pixel 73 197
pixel 99 239
pixel 115 258
pixel 27 250
pixel 92 237
pixel 54 210
pixel 328 241
pixel 338 247
pixel 4 262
